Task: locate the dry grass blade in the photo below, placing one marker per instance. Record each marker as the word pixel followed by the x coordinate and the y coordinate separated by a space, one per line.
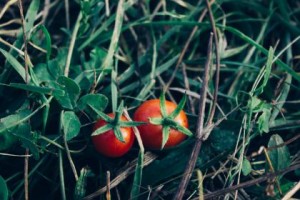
pixel 217 75
pixel 149 158
pixel 250 183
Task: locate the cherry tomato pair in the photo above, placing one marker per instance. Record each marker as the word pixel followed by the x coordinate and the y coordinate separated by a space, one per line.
pixel 164 127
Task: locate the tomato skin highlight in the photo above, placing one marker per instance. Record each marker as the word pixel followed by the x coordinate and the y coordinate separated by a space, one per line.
pixel 152 134
pixel 108 144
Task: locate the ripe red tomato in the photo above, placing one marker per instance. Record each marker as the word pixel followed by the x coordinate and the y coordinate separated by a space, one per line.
pixel 152 134
pixel 108 144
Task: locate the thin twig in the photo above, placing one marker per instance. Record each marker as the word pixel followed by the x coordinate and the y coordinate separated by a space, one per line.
pixel 14 155
pixel 61 175
pixel 67 10
pixel 72 44
pixel 149 158
pixel 45 11
pixel 108 196
pixel 26 160
pixel 187 88
pixel 70 159
pixel 217 75
pixel 6 7
pixel 200 129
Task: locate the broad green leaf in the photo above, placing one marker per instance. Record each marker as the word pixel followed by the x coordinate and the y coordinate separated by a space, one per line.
pixel 72 92
pixel 97 101
pixel 246 167
pixel 54 68
pixel 3 189
pixel 38 89
pixel 137 180
pixel 15 64
pixel 7 140
pixel 71 125
pixel 14 120
pixel 280 157
pixel 222 140
pixel 27 139
pixel 8 126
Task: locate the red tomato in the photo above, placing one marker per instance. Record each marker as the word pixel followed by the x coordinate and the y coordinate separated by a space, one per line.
pixel 108 144
pixel 152 134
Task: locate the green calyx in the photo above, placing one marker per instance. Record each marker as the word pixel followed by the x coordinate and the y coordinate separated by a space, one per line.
pixel 168 120
pixel 115 123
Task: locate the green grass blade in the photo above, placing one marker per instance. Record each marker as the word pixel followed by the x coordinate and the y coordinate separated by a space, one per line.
pixel 15 64
pixel 135 190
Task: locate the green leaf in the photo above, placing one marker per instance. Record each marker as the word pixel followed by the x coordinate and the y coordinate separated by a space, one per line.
pixel 162 104
pixel 264 73
pixel 7 139
pixel 179 107
pixel 136 185
pixel 221 140
pixel 246 167
pixel 8 126
pixel 280 157
pixel 27 139
pixel 14 120
pixel 3 189
pixel 102 129
pixel 71 125
pixel 72 92
pixel 263 120
pixel 15 64
pixel 165 135
pixel 97 101
pixel 38 89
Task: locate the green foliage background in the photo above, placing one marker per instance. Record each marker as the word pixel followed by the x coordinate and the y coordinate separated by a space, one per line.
pixel 86 56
